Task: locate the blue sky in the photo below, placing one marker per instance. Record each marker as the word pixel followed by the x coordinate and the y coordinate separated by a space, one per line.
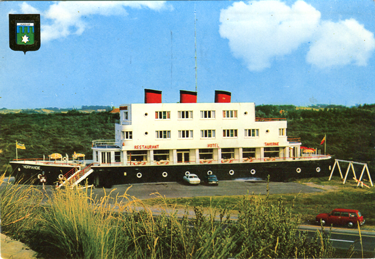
pixel 267 52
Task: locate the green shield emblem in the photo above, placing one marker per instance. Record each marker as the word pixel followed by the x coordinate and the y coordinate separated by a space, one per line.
pixel 25 32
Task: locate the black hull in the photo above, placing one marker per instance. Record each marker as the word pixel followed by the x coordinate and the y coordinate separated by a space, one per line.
pixel 110 175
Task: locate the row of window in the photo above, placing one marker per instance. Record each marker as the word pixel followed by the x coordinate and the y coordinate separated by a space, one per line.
pixel 209 114
pixel 183 155
pixel 207 133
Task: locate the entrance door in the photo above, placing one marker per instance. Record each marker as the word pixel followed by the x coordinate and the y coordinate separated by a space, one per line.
pixel 106 158
pixel 183 156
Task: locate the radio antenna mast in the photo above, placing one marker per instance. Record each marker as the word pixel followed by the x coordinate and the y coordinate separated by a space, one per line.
pixel 195 39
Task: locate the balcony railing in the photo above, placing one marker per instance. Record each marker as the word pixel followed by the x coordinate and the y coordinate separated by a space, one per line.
pixel 104 143
pixel 269 119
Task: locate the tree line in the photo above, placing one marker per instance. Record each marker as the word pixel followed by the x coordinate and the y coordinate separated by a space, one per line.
pixel 350 131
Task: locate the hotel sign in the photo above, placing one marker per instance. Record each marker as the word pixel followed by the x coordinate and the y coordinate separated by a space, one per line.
pixel 270 144
pixel 215 145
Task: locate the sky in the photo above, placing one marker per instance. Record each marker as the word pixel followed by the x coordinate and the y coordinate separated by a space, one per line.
pixel 268 52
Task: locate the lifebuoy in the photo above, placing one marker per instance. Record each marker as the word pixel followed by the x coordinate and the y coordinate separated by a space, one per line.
pixel 209 172
pixel 318 169
pixel 252 171
pixel 139 175
pixel 298 170
pixel 61 176
pixel 231 172
pixel 187 173
pixel 164 174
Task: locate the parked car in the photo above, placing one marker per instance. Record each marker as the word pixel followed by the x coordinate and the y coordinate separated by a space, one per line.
pixel 343 217
pixel 210 179
pixel 192 179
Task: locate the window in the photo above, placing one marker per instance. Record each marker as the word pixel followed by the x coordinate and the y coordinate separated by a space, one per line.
pixel 252 133
pixel 281 132
pixel 230 133
pixel 161 155
pixel 248 152
pixel 208 114
pixel 137 156
pixel 117 157
pixel 230 114
pixel 207 133
pixel 164 134
pixel 185 114
pixel 345 214
pixel 206 154
pixel 271 152
pixel 227 153
pixel 185 134
pixel 127 135
pixel 125 115
pixel 162 115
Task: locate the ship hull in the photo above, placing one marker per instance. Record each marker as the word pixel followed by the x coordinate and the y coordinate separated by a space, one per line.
pixel 110 175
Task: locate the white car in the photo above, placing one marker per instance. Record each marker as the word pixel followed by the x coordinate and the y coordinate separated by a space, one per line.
pixel 192 179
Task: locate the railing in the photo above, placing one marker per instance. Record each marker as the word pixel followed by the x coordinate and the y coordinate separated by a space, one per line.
pixel 105 143
pixel 294 139
pixel 269 119
pixel 221 161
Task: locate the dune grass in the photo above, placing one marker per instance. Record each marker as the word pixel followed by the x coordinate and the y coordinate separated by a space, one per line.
pixel 71 223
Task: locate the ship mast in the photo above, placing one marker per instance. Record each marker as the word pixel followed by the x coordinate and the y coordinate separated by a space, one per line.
pixel 195 39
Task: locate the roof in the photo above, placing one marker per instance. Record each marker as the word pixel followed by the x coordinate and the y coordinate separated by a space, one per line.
pixel 345 210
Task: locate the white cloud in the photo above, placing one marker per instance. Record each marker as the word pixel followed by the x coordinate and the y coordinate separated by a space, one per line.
pixel 259 31
pixel 28 9
pixel 67 19
pixel 341 43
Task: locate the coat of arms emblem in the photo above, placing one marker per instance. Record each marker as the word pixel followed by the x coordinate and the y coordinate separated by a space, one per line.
pixel 24 32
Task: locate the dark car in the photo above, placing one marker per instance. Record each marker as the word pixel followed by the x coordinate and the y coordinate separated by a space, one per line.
pixel 210 179
pixel 343 217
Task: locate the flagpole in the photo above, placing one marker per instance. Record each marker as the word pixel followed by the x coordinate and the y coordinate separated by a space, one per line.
pixel 16 151
pixel 325 144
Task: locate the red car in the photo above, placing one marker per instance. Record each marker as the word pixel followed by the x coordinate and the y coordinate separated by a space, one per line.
pixel 345 217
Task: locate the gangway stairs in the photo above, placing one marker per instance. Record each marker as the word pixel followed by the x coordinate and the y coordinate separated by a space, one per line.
pixel 73 178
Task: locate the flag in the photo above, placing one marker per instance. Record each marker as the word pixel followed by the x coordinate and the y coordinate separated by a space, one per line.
pixel 20 146
pixel 323 140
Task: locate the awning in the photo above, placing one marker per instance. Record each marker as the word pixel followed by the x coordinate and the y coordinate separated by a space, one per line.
pixel 55 156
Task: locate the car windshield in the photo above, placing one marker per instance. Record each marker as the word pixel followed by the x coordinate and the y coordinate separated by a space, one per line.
pixel 193 176
pixel 359 214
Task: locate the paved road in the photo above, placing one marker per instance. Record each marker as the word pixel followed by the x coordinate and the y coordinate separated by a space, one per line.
pixel 181 190
pixel 343 238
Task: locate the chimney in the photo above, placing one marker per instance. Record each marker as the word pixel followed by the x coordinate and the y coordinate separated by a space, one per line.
pixel 222 96
pixel 152 96
pixel 188 96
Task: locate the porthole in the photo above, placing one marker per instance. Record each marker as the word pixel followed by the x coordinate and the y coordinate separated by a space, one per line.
pixel 139 175
pixel 209 172
pixel 252 171
pixel 318 169
pixel 146 133
pixel 245 113
pixel 231 172
pixel 187 173
pixel 146 114
pixel 164 174
pixel 298 170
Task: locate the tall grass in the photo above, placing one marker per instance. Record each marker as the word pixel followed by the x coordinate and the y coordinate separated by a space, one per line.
pixel 74 224
pixel 19 204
